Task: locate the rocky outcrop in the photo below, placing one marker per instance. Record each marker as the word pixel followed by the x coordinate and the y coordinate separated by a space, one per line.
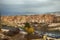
pixel 17 20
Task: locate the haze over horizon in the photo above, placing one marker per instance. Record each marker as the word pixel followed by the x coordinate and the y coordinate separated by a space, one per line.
pixel 21 7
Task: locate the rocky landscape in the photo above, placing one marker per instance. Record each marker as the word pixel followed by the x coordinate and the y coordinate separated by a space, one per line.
pixel 17 20
pixel 43 22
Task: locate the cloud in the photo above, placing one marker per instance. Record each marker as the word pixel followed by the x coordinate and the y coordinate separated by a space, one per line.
pixel 26 6
pixel 12 2
pixel 22 1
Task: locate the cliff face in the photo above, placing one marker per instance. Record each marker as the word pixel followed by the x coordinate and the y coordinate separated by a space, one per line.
pixel 19 20
pixel 14 20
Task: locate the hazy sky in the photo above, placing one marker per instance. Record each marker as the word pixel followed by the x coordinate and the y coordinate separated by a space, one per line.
pixel 16 7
